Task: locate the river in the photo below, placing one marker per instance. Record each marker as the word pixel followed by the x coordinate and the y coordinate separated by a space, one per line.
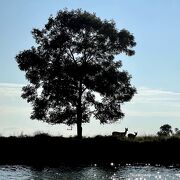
pixel 92 172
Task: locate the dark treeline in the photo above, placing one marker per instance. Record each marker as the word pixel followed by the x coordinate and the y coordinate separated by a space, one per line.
pixel 42 150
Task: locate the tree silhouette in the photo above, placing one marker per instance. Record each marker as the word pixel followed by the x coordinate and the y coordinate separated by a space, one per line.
pixel 73 64
pixel 177 132
pixel 165 130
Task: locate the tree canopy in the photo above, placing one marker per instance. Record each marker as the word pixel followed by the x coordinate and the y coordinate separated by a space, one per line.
pixel 72 71
pixel 177 132
pixel 165 130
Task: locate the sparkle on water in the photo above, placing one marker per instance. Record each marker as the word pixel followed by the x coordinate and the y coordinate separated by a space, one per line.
pixel 112 172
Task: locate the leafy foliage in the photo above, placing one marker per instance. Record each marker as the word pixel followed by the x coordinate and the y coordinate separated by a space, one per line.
pixel 177 132
pixel 72 63
pixel 165 130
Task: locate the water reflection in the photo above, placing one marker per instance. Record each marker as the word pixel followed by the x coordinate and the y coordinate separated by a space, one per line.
pixel 93 172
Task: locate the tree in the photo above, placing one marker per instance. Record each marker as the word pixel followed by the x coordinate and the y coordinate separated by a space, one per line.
pixel 73 64
pixel 177 132
pixel 165 130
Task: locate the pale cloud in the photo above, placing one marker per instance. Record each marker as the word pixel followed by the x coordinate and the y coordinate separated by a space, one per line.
pixel 13 110
pixel 153 114
pixel 10 96
pixel 155 96
pixel 9 89
pixel 154 103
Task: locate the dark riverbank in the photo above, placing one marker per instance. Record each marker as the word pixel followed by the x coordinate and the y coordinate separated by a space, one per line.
pixel 44 150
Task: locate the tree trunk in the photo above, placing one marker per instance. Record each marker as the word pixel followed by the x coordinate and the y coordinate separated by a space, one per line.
pixel 79 131
pixel 79 113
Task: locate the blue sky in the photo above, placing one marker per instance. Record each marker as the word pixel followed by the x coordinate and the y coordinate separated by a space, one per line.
pixel 154 68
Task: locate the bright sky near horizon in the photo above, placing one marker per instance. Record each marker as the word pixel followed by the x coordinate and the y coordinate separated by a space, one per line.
pixel 154 68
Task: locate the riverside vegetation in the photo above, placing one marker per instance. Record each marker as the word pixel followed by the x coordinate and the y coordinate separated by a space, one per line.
pixel 45 150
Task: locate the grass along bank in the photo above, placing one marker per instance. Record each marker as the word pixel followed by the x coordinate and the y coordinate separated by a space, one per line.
pixel 43 149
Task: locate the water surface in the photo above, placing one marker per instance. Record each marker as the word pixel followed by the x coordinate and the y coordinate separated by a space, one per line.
pixel 92 172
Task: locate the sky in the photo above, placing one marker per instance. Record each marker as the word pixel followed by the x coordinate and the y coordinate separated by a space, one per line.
pixel 154 68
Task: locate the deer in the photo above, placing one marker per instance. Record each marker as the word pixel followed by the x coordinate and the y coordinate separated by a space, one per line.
pixel 132 136
pixel 120 134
